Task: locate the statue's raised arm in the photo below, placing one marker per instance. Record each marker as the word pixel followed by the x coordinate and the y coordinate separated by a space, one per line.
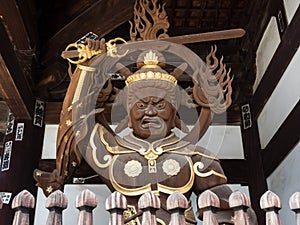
pixel 135 111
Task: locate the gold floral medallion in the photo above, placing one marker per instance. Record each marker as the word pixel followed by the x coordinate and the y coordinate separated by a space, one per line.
pixel 171 167
pixel 133 168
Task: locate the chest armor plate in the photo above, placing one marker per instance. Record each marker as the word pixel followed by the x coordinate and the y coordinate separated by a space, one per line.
pixel 132 174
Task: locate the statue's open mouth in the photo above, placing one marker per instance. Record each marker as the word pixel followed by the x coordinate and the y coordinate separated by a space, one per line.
pixel 151 122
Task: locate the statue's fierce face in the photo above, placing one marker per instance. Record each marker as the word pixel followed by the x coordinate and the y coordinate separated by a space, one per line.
pixel 152 118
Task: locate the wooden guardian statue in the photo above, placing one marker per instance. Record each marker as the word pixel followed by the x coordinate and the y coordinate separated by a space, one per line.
pixel 150 156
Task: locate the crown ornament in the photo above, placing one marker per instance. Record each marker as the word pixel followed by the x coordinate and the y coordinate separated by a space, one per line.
pixel 150 62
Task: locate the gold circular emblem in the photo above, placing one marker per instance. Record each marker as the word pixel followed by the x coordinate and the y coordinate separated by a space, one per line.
pixel 171 167
pixel 133 168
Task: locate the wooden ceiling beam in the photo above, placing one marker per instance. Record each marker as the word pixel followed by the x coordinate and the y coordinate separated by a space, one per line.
pixel 11 94
pixel 101 18
pixel 261 14
pixel 257 21
pixel 3 116
pixel 29 14
pixel 12 18
pixel 13 84
pixel 229 52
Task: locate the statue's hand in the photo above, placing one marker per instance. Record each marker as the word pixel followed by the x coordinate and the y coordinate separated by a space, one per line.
pixel 96 45
pixel 83 52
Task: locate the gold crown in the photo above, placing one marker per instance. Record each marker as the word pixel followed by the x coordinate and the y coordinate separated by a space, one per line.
pixel 150 61
pixel 150 75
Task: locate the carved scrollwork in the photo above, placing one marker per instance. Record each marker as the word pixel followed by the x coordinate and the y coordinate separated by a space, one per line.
pixel 107 158
pixel 198 167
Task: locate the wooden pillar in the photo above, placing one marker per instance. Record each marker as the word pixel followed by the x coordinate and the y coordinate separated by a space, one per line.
pixel 253 155
pixel 208 202
pixel 271 203
pixel 239 202
pixel 56 203
pixel 116 204
pixel 149 203
pixel 86 201
pixel 177 204
pixel 294 203
pixel 22 203
pixel 21 155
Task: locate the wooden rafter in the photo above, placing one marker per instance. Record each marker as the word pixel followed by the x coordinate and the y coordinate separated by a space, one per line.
pixel 3 116
pixel 101 18
pixel 13 84
pixel 13 20
pixel 257 22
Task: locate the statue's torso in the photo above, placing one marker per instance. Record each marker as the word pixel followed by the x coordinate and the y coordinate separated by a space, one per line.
pixel 132 174
pixel 137 166
pixel 133 166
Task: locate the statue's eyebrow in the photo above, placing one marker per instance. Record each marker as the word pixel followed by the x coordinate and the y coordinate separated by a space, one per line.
pixel 145 100
pixel 157 100
pixel 154 99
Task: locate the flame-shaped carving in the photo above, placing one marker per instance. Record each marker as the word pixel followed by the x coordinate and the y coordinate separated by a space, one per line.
pixel 150 21
pixel 215 90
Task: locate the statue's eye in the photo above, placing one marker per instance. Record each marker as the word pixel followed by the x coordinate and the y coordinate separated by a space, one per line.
pixel 141 105
pixel 160 105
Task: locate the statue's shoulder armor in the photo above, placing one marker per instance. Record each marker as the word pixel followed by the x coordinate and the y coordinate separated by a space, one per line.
pixel 206 164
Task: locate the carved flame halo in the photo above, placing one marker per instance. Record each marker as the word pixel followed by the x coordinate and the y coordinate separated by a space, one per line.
pixel 150 19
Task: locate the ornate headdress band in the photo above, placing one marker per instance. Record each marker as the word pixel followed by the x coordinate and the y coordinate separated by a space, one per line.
pixel 150 62
pixel 150 75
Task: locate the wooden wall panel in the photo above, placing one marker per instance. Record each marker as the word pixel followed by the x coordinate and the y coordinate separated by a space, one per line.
pixel 287 48
pixel 24 159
